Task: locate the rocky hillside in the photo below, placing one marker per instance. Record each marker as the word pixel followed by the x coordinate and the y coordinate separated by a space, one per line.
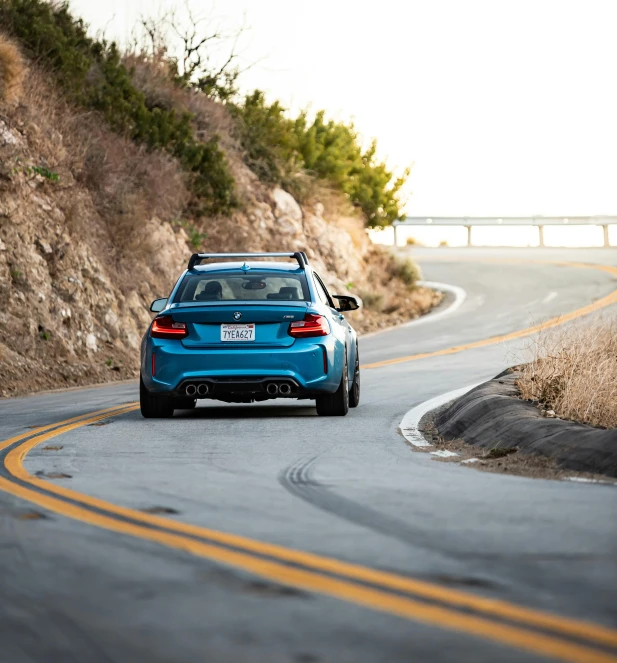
pixel 92 229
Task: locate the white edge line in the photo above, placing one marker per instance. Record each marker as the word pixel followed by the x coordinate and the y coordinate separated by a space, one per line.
pixel 460 296
pixel 411 421
pixel 606 482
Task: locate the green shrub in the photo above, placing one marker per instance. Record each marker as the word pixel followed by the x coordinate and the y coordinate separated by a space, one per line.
pixel 277 145
pixel 91 73
pixel 406 270
pixel 195 236
pixel 372 301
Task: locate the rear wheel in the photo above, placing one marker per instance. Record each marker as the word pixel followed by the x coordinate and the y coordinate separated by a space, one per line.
pixel 154 406
pixel 336 404
pixel 354 392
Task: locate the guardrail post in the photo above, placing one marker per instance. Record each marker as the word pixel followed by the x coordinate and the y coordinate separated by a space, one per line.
pixel 607 241
pixel 468 235
pixel 395 226
pixel 540 235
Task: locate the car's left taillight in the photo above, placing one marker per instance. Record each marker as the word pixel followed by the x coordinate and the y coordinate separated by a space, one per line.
pixel 165 327
pixel 312 325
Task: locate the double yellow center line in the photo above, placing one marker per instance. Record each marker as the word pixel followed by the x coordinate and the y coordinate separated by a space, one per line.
pixel 608 300
pixel 538 632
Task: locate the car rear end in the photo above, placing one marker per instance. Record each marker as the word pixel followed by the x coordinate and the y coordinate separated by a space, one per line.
pixel 241 332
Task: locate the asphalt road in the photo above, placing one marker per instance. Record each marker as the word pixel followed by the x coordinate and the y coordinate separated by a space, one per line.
pixel 80 588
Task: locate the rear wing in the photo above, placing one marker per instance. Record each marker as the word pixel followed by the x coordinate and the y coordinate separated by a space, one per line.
pixel 300 256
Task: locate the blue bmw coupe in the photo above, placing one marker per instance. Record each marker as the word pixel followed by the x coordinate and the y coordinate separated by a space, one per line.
pixel 250 331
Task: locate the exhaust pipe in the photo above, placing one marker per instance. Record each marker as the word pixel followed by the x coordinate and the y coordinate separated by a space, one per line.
pixel 203 389
pixel 285 389
pixel 272 388
pixel 190 390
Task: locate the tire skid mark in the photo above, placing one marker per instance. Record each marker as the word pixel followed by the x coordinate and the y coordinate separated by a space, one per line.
pixel 299 481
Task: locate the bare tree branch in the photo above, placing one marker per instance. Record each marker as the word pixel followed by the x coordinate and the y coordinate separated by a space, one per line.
pixel 194 45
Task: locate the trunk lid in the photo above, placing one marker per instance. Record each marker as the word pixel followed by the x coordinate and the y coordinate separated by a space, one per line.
pixel 271 323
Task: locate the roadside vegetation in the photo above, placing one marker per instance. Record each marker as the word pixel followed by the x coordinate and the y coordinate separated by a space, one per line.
pixel 116 165
pixel 573 371
pixel 281 149
pixel 180 104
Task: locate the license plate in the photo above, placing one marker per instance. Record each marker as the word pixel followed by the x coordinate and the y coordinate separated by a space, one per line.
pixel 238 332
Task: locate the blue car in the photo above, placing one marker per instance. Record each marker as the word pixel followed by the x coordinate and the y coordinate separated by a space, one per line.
pixel 250 331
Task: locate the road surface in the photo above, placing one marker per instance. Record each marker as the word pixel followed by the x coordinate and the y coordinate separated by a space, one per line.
pixel 374 552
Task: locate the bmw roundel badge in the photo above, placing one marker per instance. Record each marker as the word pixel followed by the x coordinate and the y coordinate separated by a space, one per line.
pixel 237 315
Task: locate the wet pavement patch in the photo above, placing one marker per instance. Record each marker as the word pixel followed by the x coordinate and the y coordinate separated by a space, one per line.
pixel 463 581
pixel 51 447
pixel 160 509
pixel 100 423
pixel 53 475
pixel 271 589
pixel 31 515
pixel 237 581
pixel 306 658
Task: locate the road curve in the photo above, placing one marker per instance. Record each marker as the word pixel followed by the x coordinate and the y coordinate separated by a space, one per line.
pixel 264 533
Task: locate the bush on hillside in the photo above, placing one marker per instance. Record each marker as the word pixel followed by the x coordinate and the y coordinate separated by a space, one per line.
pixel 276 144
pixel 92 74
pixel 406 270
pixel 294 152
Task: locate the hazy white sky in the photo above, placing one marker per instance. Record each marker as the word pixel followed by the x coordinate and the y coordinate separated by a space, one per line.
pixel 503 107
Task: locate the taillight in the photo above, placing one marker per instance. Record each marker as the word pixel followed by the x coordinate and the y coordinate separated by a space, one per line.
pixel 165 327
pixel 312 325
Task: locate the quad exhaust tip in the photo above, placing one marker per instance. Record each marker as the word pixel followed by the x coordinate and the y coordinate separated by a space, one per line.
pixel 203 389
pixel 190 390
pixel 272 388
pixel 285 389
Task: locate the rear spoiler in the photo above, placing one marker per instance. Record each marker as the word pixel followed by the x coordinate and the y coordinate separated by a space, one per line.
pixel 300 256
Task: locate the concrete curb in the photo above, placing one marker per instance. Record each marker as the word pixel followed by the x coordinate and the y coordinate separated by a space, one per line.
pixel 491 415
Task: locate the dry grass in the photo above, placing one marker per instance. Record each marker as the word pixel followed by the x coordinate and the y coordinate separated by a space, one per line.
pixel 12 70
pixel 573 371
pixel 128 185
pixel 210 118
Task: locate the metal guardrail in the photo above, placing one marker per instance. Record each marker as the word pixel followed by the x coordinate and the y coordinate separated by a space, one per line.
pixel 538 222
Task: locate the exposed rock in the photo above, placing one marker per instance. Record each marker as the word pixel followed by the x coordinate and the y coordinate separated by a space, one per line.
pixel 44 246
pixel 8 137
pixel 76 284
pixel 286 205
pixel 91 343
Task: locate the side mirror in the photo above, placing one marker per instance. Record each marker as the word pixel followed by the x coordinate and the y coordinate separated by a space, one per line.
pixel 347 303
pixel 158 305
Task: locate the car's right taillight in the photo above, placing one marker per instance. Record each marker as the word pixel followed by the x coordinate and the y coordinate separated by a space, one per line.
pixel 312 325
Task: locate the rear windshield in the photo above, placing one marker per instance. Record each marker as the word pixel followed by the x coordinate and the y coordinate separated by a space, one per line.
pixel 242 286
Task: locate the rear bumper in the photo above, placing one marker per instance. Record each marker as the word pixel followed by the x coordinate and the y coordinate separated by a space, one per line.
pixel 249 370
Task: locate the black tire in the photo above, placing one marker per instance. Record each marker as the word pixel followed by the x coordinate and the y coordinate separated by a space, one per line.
pixel 154 406
pixel 336 404
pixel 184 404
pixel 354 391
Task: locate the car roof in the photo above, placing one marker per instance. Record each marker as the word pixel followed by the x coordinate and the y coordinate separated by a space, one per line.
pixel 253 265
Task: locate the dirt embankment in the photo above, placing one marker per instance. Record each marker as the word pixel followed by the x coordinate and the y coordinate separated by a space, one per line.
pixel 494 420
pixel 92 228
